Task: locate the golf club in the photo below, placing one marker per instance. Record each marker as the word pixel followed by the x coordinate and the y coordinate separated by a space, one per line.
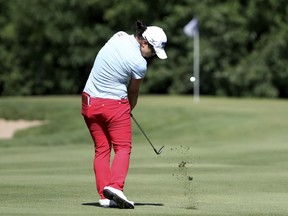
pixel 157 152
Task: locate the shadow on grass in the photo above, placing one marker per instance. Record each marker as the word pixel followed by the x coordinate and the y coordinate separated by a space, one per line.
pixel 96 204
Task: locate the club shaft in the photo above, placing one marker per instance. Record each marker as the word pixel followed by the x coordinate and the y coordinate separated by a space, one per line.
pixel 143 132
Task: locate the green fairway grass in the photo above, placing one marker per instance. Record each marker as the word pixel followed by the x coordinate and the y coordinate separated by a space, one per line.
pixel 221 157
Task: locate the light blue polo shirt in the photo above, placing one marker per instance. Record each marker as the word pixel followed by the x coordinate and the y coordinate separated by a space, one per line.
pixel 118 60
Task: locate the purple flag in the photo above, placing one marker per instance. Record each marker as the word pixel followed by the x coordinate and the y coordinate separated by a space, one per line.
pixel 191 28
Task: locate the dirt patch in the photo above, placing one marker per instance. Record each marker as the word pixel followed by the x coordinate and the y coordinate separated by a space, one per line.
pixel 9 127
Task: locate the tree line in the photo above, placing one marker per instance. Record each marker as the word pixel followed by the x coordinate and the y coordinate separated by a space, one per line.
pixel 48 47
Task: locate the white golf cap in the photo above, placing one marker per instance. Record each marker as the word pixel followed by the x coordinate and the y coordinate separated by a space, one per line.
pixel 157 38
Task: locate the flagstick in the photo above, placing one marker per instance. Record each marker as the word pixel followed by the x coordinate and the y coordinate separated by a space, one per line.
pixel 191 30
pixel 196 67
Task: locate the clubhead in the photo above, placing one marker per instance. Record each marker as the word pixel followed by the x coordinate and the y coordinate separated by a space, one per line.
pixel 159 151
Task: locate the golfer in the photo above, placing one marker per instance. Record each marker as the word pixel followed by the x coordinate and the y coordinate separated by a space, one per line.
pixel 108 98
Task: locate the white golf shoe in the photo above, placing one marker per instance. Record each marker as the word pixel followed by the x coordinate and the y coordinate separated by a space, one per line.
pixel 119 198
pixel 106 203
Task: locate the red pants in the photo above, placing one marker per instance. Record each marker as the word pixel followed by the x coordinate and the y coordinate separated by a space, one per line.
pixel 109 124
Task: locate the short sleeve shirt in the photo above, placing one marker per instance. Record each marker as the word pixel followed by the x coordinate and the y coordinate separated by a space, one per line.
pixel 118 60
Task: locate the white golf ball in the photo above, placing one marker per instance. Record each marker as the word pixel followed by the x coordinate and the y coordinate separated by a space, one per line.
pixel 192 79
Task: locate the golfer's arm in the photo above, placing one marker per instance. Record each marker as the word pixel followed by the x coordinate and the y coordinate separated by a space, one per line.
pixel 133 91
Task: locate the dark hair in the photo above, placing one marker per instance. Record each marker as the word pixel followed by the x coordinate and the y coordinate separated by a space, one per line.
pixel 140 28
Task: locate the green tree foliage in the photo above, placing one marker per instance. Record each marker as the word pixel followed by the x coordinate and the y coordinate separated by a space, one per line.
pixel 260 70
pixel 48 47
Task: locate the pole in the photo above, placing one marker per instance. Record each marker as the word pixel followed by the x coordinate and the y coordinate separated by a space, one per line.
pixel 191 30
pixel 196 67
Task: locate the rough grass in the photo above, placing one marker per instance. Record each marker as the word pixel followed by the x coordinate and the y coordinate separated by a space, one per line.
pixel 221 157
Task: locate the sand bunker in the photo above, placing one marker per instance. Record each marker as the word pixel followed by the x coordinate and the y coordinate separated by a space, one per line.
pixel 9 127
